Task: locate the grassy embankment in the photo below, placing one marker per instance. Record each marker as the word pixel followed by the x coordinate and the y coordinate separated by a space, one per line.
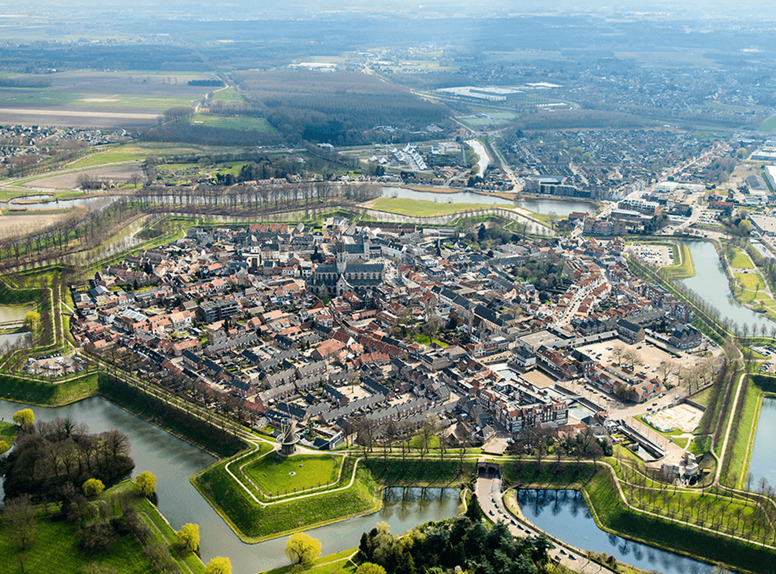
pixel 254 523
pixel 613 516
pixel 337 563
pixel 55 547
pixel 741 442
pixel 683 267
pixel 749 287
pixel 47 394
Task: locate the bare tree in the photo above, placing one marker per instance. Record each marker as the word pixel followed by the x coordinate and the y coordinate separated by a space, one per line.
pixel 21 521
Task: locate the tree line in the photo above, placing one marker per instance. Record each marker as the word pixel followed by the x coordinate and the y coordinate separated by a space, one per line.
pixel 50 455
pixel 462 543
pixel 261 196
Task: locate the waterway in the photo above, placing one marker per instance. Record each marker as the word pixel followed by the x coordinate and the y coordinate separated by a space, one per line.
pixel 710 282
pixel 46 201
pixel 763 461
pixel 535 204
pixel 174 461
pixel 14 313
pixel 565 515
pixel 482 153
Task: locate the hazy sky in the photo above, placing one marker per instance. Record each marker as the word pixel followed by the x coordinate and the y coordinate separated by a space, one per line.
pixel 241 9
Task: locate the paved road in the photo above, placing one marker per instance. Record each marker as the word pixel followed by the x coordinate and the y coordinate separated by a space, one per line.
pixel 492 503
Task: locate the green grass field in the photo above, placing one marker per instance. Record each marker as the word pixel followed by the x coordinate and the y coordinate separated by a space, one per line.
pixel 768 125
pixel 55 547
pixel 131 101
pixel 741 261
pixel 40 393
pixel 136 152
pixel 422 208
pixel 681 442
pixel 234 123
pixel 55 551
pixel 703 397
pixel 750 281
pixel 254 523
pixel 275 477
pixel 739 448
pixel 227 95
pixel 38 97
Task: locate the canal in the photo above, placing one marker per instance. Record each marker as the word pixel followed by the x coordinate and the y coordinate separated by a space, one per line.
pixel 762 464
pixel 536 204
pixel 174 461
pixel 710 282
pixel 565 515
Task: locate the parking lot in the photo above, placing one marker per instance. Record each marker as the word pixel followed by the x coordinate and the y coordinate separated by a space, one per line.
pixel 660 255
pixel 652 357
pixel 54 365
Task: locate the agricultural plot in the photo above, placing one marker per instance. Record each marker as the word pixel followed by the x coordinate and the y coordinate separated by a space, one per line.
pixel 115 174
pixel 227 95
pixel 488 119
pixel 234 123
pixel 98 99
pixel 137 152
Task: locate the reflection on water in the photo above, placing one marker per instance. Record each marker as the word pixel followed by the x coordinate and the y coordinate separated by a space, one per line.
pixel 14 313
pixel 174 461
pixel 46 202
pixel 535 204
pixel 763 461
pixel 565 515
pixel 712 285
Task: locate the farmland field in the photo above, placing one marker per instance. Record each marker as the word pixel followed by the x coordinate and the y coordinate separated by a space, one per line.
pixel 137 152
pixel 98 99
pixel 234 123
pixel 119 173
pixel 227 95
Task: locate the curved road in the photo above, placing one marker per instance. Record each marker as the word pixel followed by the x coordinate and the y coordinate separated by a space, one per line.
pixel 491 500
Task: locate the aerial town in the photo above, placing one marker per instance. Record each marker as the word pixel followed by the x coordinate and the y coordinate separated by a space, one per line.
pixel 312 326
pixel 388 288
